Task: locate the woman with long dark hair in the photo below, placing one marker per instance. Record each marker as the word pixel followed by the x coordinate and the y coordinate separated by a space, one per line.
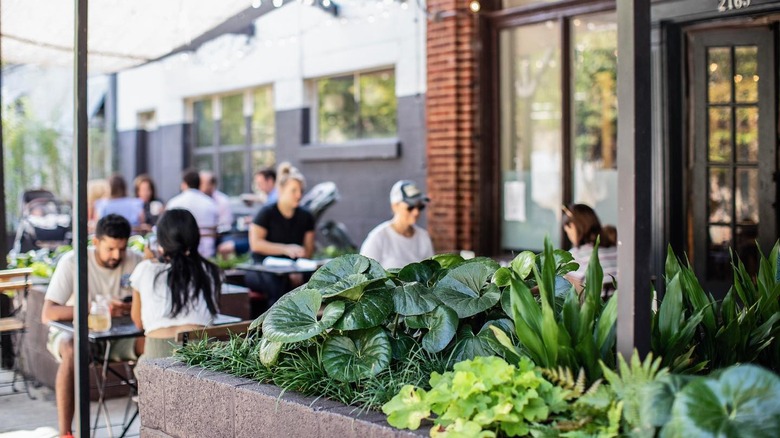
pixel 178 291
pixel 583 228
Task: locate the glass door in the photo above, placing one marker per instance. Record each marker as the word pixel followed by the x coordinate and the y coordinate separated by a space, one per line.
pixel 732 201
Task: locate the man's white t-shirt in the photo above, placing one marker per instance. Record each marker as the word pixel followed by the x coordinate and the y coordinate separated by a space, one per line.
pixel 103 281
pixel 204 209
pixel 156 299
pixel 394 250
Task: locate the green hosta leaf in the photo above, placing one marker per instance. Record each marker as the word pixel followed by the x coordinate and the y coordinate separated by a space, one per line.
pixel 294 317
pixel 502 277
pixel 358 355
pixel 347 276
pixel 369 311
pixel 268 352
pixel 401 346
pixel 407 408
pixel 523 264
pixel 442 325
pixel 419 272
pixel 742 402
pixel 469 345
pixel 487 262
pixel 448 261
pixel 414 299
pixel 465 289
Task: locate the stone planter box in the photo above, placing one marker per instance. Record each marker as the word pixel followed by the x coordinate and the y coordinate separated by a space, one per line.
pixel 181 401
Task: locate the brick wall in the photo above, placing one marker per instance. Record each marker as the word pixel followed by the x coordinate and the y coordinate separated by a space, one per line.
pixel 451 112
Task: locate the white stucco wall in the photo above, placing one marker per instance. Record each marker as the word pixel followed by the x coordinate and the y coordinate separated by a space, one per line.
pixel 291 45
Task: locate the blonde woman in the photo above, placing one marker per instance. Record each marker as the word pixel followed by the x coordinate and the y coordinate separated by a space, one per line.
pixel 281 229
pixel 97 189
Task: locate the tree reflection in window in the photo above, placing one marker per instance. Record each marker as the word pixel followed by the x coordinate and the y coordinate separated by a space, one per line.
pixel 355 106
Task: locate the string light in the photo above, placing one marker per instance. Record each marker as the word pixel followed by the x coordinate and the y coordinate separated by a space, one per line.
pixel 257 3
pixel 475 6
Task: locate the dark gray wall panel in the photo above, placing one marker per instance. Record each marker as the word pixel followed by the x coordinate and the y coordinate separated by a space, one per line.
pixel 127 154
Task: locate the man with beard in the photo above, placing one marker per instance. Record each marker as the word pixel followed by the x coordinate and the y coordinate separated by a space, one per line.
pixel 109 266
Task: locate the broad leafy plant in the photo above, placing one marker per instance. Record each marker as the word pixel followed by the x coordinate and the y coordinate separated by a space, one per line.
pixel 361 317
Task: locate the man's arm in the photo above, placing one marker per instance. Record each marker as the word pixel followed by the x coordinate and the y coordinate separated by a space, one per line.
pixel 55 312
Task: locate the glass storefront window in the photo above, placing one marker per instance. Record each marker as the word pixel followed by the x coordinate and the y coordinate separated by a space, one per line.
pixel 231 171
pixel 594 113
pixel 360 105
pixel 263 117
pixel 531 138
pixel 204 123
pixel 245 143
pixel 232 127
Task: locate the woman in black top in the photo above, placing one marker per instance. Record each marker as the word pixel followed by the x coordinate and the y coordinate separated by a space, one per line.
pixel 281 229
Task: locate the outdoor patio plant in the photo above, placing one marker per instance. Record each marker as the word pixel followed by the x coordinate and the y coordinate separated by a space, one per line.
pixel 421 340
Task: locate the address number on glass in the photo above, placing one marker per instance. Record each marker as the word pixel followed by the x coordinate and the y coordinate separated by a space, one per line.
pixel 730 5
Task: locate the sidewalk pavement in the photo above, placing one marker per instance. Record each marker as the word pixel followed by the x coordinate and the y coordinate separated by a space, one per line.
pixel 22 417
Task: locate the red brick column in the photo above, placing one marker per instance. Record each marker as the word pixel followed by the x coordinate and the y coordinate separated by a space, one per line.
pixel 451 113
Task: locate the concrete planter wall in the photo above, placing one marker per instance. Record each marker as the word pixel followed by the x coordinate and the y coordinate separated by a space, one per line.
pixel 181 401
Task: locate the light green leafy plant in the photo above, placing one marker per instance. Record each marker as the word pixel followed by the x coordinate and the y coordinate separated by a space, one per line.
pixel 481 397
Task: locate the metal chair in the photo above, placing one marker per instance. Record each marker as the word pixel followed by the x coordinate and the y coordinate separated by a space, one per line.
pixel 13 324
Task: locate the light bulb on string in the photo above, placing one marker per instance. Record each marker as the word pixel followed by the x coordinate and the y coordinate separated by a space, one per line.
pixel 475 6
pixel 278 3
pixel 257 3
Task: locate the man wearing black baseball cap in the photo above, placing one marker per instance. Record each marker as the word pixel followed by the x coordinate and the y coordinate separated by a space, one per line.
pixel 399 241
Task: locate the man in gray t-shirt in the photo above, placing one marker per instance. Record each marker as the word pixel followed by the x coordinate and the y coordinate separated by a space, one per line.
pixel 399 241
pixel 109 263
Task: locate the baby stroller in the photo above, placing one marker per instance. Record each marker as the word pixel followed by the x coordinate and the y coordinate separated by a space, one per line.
pixel 45 222
pixel 329 234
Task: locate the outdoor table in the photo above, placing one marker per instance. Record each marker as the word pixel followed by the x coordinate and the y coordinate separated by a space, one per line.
pixel 121 328
pixel 293 268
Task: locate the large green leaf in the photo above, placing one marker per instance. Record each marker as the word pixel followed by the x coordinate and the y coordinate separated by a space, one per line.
pixel 294 317
pixel 442 324
pixel 448 261
pixel 268 352
pixel 465 289
pixel 358 355
pixel 419 272
pixel 369 311
pixel 742 402
pixel 523 263
pixel 414 299
pixel 469 345
pixel 347 276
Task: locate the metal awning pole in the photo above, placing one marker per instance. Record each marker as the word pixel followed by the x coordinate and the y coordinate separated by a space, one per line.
pixel 81 341
pixel 634 176
pixel 4 240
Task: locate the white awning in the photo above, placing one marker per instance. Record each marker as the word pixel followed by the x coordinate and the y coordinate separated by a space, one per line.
pixel 122 33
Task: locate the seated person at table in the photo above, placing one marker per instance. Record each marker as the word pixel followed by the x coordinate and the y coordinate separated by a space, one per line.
pixel 399 241
pixel 583 227
pixel 178 291
pixel 109 265
pixel 119 203
pixel 281 229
